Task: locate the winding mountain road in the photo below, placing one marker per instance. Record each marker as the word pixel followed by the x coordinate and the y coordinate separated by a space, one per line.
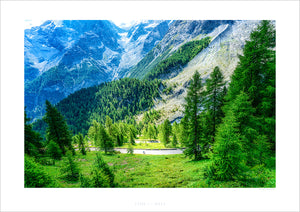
pixel 148 151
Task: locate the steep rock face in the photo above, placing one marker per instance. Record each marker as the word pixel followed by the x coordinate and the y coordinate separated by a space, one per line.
pixel 137 42
pixel 227 44
pixel 62 57
pixel 180 32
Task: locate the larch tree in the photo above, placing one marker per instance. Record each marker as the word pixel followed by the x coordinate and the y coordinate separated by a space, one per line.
pixel 255 75
pixel 194 103
pixel 166 129
pixel 215 93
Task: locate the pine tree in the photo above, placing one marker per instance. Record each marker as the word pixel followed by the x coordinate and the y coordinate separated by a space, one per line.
pixel 132 132
pixel 215 93
pixel 53 150
pixel 105 141
pixel 81 145
pixel 174 140
pixel 194 102
pixel 151 131
pixel 100 177
pixel 255 75
pixel 32 139
pixel 70 169
pixel 183 131
pixel 228 156
pixel 101 166
pixel 93 132
pixel 166 132
pixel 57 129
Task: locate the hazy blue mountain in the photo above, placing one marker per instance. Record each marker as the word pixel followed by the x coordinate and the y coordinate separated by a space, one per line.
pixel 61 57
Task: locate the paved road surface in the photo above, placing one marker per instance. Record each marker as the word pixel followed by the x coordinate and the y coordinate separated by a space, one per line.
pixel 149 151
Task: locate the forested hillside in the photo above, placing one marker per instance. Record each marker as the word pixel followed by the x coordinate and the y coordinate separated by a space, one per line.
pixel 119 99
pixel 171 66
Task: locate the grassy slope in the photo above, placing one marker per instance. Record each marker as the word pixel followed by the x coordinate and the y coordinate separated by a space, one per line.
pixel 159 171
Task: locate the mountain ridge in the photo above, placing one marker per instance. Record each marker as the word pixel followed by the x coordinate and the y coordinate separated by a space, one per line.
pixel 77 54
pixel 123 55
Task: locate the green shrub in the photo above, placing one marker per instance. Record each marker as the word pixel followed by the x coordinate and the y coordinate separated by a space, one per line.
pixel 100 177
pixel 70 169
pixel 85 182
pixel 101 165
pixel 35 175
pixel 54 151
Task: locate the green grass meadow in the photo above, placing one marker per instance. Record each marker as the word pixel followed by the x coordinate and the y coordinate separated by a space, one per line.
pixel 159 171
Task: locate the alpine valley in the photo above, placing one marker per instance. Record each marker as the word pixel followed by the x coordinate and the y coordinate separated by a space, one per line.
pixel 162 103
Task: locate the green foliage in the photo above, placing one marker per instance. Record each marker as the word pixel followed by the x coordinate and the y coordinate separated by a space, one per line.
pixel 32 139
pixel 166 131
pixel 57 130
pixel 35 175
pixel 178 59
pixel 105 141
pixel 167 90
pixel 214 101
pixel 255 75
pixel 194 101
pixel 132 133
pixel 119 99
pixel 248 129
pixel 148 63
pixel 228 156
pixel 101 175
pixel 151 133
pixel 174 140
pixel 70 168
pixel 53 150
pixel 81 143
pixel 158 171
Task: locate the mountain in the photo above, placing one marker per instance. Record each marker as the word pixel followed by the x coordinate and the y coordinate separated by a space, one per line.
pixel 180 32
pixel 138 41
pixel 61 57
pixel 99 51
pixel 227 42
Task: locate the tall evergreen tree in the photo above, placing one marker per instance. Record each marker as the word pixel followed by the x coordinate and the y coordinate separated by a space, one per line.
pixel 81 143
pixel 132 132
pixel 57 129
pixel 215 93
pixel 194 102
pixel 255 75
pixel 166 132
pixel 151 131
pixel 105 141
pixel 93 132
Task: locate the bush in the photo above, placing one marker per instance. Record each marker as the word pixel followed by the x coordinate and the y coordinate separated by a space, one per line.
pixel 35 175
